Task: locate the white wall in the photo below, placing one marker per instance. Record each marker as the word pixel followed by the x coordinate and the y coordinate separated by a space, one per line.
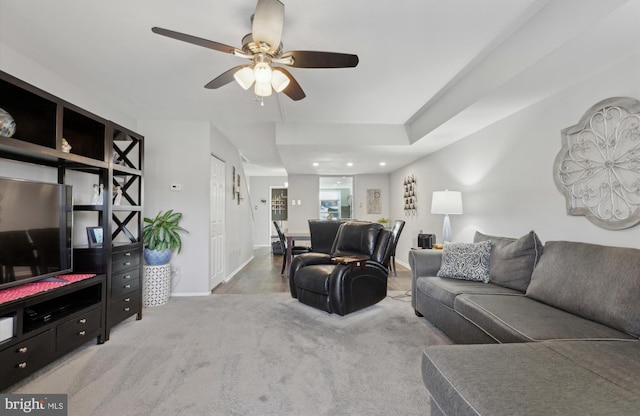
pixel 28 70
pixel 179 152
pixel 304 188
pixel 505 172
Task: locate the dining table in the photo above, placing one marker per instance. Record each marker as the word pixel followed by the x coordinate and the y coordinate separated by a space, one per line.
pixel 292 237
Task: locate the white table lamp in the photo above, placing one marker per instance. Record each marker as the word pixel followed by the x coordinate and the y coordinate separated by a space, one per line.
pixel 446 202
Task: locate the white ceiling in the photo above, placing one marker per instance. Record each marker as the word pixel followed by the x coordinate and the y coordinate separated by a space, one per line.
pixel 430 72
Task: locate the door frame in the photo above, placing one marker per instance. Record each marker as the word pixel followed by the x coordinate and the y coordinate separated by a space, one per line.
pixel 222 164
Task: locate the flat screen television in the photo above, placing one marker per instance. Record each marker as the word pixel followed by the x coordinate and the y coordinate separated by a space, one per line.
pixel 36 221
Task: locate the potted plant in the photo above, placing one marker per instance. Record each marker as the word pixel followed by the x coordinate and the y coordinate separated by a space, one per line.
pixel 160 237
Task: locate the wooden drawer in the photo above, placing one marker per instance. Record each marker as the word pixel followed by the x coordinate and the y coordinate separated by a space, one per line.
pixel 78 330
pixel 124 307
pixel 125 259
pixel 25 357
pixel 124 282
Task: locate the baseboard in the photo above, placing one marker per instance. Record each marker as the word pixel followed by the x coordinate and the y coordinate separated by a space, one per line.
pixel 226 279
pixel 236 271
pixel 187 294
pixel 403 264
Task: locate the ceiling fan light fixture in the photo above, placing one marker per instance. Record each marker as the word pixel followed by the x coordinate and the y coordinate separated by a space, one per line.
pixel 263 47
pixel 244 77
pixel 262 72
pixel 262 90
pixel 279 81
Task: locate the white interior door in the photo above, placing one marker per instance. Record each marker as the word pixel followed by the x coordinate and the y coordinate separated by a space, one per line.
pixel 217 225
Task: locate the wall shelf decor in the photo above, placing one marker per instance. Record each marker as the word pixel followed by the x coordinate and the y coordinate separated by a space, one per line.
pixel 279 207
pixel 410 197
pixel 598 167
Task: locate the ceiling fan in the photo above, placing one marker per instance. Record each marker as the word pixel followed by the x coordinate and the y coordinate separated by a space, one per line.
pixel 263 47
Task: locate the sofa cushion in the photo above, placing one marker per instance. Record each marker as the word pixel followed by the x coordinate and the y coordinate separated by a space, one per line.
pixel 512 259
pixel 597 282
pixel 522 319
pixel 467 261
pixel 445 290
pixel 532 379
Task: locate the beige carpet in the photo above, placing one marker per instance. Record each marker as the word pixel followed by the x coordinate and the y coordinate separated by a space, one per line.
pixel 263 354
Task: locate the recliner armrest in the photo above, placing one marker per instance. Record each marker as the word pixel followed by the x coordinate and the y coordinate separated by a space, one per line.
pixel 303 260
pixel 311 258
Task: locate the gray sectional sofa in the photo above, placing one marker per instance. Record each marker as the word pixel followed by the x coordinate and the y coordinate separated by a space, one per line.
pixel 554 329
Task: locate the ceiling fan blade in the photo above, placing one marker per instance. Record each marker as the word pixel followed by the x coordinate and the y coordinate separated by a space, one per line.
pixel 293 90
pixel 193 39
pixel 268 22
pixel 313 59
pixel 224 78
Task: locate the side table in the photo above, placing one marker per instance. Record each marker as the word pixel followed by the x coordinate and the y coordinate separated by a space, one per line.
pixel 156 285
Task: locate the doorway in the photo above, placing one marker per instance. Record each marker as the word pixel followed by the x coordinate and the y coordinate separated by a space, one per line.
pixel 336 197
pixel 279 213
pixel 217 222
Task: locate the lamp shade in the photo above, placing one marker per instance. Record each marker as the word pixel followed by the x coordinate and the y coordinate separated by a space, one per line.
pixel 244 77
pixel 446 202
pixel 262 90
pixel 262 72
pixel 279 81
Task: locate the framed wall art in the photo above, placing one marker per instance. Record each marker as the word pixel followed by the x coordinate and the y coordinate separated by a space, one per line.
pixel 95 236
pixel 598 167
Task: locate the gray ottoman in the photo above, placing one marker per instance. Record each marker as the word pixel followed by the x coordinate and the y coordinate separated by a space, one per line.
pixel 585 377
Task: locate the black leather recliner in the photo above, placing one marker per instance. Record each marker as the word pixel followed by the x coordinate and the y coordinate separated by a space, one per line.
pixel 317 280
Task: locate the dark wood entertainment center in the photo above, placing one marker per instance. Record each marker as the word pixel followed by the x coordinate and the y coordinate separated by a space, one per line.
pixel 113 157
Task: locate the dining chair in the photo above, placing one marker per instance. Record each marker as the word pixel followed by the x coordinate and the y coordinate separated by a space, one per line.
pixel 398 225
pixel 295 250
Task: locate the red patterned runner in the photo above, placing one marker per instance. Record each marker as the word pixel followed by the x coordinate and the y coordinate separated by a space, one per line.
pixel 28 289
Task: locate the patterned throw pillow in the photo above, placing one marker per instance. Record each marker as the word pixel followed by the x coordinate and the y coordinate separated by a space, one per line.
pixel 512 259
pixel 466 261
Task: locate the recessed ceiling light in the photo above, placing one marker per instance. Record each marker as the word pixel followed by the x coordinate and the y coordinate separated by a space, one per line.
pixel 383 163
pixel 350 164
pixel 316 164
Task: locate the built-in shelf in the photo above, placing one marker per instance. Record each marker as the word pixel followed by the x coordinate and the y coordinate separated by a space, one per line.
pixel 114 156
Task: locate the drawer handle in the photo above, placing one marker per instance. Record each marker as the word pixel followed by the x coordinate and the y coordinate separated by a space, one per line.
pixel 127 277
pixel 82 321
pixel 127 263
pixel 127 286
pixel 23 350
pixel 82 333
pixel 127 299
pixel 128 254
pixel 127 309
pixel 22 365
